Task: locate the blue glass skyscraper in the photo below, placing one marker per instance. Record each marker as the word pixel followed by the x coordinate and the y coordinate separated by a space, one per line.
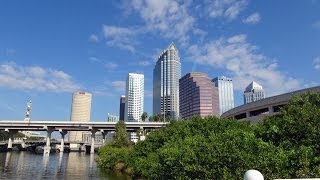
pixel 166 75
pixel 225 88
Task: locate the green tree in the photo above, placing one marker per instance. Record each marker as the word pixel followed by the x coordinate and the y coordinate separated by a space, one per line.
pixel 159 118
pixel 151 118
pixel 120 138
pixel 3 135
pixel 144 116
pixel 296 129
pixel 208 148
pixel 286 145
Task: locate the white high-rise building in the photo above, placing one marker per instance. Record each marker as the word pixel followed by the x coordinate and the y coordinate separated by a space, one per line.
pixel 166 75
pixel 80 112
pixel 253 92
pixel 225 88
pixel 134 97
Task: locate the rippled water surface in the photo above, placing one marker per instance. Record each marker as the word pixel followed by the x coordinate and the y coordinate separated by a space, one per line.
pixel 25 165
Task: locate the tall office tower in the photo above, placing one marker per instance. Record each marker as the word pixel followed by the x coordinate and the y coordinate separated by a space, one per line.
pixel 166 75
pixel 80 112
pixel 198 96
pixel 225 87
pixel 253 92
pixel 134 97
pixel 122 107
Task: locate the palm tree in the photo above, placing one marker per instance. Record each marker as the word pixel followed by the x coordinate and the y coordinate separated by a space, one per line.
pixel 144 116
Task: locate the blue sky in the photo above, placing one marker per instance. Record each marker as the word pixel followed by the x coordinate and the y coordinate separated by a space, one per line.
pixel 49 49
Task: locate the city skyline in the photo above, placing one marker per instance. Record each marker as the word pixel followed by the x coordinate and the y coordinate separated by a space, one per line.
pixel 51 49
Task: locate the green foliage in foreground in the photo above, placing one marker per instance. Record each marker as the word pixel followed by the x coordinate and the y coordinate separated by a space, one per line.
pixel 284 146
pixel 120 138
pixel 297 131
pixel 209 148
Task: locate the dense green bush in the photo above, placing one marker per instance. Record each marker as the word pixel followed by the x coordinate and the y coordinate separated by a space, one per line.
pixel 114 158
pixel 296 130
pixel 284 146
pixel 115 155
pixel 209 148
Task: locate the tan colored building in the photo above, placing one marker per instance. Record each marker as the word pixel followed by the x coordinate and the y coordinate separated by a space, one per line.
pixel 80 112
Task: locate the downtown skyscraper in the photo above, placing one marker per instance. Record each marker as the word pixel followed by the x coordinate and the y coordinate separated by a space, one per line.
pixel 225 87
pixel 253 92
pixel 80 112
pixel 198 96
pixel 166 75
pixel 122 107
pixel 134 97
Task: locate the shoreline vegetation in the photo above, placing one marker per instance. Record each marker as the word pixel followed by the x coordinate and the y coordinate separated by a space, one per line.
pixel 286 145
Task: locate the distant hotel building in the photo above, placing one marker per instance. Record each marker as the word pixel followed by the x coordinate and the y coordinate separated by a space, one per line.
pixel 80 112
pixel 122 107
pixel 225 87
pixel 198 96
pixel 253 92
pixel 112 118
pixel 166 75
pixel 134 97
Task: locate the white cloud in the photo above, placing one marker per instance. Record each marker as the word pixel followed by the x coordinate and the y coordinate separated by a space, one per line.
pixel 101 91
pixel 119 85
pixel 170 18
pixel 244 63
pixel 110 66
pixel 252 19
pixel 120 37
pixel 316 63
pixel 229 9
pixel 93 38
pixel 35 78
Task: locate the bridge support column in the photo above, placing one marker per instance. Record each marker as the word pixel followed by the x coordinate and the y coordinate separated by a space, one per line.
pixel 93 137
pixel 247 114
pixel 103 132
pixel 63 133
pixel 10 140
pixel 270 108
pixel 47 148
pixel 23 144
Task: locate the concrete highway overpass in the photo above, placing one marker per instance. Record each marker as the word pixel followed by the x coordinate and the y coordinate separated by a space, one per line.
pixel 257 110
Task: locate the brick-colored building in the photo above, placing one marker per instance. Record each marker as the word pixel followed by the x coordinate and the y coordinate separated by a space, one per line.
pixel 198 96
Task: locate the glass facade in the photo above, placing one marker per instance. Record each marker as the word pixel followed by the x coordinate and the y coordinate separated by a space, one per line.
pixel 253 92
pixel 122 107
pixel 166 75
pixel 198 96
pixel 134 97
pixel 225 87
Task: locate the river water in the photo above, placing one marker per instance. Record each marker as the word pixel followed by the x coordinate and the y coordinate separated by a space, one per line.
pixel 74 165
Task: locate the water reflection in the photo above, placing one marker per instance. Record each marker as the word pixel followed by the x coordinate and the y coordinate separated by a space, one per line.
pixel 60 170
pixel 8 157
pixel 91 167
pixel 45 164
pixel 25 165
